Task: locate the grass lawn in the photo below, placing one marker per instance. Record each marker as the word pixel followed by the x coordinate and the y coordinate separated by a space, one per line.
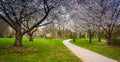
pixel 100 47
pixel 41 50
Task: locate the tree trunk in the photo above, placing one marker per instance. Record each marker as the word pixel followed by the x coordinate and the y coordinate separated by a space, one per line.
pixel 18 39
pixel 99 38
pixel 79 34
pixel 109 41
pixel 90 37
pixel 31 37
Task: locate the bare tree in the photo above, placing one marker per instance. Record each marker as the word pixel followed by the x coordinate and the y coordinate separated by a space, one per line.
pixel 15 13
pixel 106 14
pixel 31 21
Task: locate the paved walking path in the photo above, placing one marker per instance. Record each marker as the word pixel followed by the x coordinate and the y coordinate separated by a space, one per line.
pixel 86 55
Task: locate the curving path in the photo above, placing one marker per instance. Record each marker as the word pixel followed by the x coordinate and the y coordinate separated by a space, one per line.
pixel 86 55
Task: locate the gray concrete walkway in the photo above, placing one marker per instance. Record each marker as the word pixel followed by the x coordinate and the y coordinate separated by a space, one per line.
pixel 86 55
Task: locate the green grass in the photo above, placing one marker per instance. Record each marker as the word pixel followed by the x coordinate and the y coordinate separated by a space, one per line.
pixel 41 50
pixel 100 47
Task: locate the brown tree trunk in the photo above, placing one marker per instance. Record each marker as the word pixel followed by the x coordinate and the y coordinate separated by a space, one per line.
pixel 109 41
pixel 90 36
pixel 99 38
pixel 79 34
pixel 31 37
pixel 99 35
pixel 18 39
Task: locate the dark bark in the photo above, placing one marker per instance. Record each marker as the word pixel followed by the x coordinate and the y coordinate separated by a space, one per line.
pixel 90 36
pixel 109 41
pixel 59 33
pixel 79 35
pixel 99 38
pixel 31 34
pixel 18 39
pixel 31 37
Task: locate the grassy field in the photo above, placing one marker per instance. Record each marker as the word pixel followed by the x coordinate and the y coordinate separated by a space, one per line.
pixel 41 50
pixel 100 47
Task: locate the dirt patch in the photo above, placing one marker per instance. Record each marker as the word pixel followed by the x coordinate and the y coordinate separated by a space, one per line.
pixel 22 49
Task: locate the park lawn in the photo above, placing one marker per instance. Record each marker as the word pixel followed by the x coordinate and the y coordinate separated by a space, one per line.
pixel 41 50
pixel 100 47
